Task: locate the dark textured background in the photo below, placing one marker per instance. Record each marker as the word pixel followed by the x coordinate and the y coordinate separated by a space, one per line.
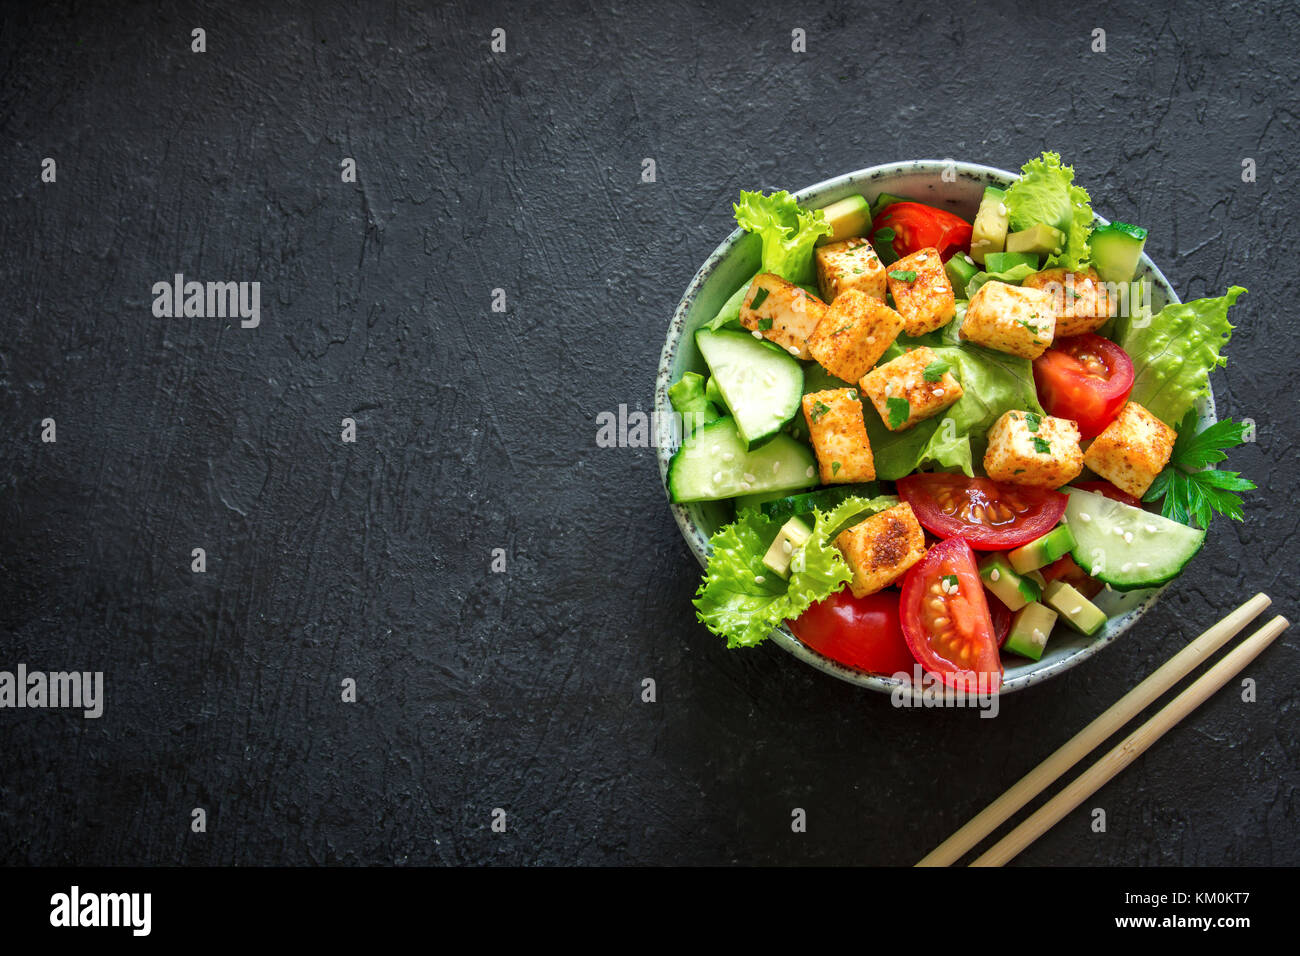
pixel 477 429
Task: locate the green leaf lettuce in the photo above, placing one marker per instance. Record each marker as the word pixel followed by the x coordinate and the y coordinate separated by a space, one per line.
pixel 1046 193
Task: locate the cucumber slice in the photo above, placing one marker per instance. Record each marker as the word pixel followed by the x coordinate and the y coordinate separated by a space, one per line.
pixel 702 471
pixel 761 384
pixel 824 500
pixel 747 503
pixel 1116 250
pixel 711 392
pixel 1127 547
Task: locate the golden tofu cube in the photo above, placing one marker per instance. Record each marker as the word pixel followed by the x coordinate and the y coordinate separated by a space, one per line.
pixel 1080 299
pixel 1011 319
pixel 880 549
pixel 849 264
pixel 1133 449
pixel 839 436
pixel 855 332
pixel 905 379
pixel 1026 448
pixel 782 312
pixel 927 302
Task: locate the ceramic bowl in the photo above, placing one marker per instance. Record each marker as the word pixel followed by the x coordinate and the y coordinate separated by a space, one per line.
pixel 735 260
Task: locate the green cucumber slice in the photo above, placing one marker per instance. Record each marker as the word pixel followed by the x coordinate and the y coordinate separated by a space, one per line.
pixel 1116 250
pixel 761 384
pixel 1127 547
pixel 715 463
pixel 824 500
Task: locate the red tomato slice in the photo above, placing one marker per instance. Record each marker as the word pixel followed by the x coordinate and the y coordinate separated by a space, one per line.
pixel 1109 490
pixel 1064 569
pixel 990 516
pixel 862 633
pixel 917 226
pixel 949 628
pixel 1086 379
pixel 1001 619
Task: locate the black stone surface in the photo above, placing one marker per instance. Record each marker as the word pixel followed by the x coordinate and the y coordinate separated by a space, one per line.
pixel 476 429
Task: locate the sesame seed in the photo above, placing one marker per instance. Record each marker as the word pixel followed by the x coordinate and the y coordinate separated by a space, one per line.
pixel 1119 532
pixel 1002 209
pixel 871 339
pixel 1038 636
pixel 1077 609
pixel 749 477
pixel 758 579
pixel 1085 517
pixel 745 486
pixel 809 471
pixel 1151 529
pixel 787 547
pixel 776 466
pixel 728 456
pixel 1128 537
pixel 756 334
pixel 1127 567
pixel 938 393
pixel 1143 564
pixel 794 350
pixel 714 449
pixel 995 575
pixel 717 478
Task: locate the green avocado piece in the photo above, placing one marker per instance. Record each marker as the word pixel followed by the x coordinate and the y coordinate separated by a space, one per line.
pixel 1042 552
pixel 961 268
pixel 989 232
pixel 794 534
pixel 1042 240
pixel 1078 612
pixel 848 217
pixel 1031 626
pixel 1012 589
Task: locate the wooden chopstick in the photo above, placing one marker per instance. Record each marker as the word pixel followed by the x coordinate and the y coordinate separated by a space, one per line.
pixel 1132 746
pixel 1088 739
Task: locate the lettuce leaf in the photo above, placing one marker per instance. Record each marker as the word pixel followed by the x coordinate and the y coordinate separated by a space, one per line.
pixel 1174 352
pixel 992 383
pixel 1046 193
pixel 787 232
pixel 731 601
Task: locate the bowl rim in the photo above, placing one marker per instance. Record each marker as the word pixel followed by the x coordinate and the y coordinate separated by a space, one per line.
pixel 698 542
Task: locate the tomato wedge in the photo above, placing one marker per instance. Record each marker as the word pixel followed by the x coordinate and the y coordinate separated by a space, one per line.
pixel 862 633
pixel 1001 618
pixel 917 226
pixel 1086 379
pixel 990 516
pixel 1109 490
pixel 946 620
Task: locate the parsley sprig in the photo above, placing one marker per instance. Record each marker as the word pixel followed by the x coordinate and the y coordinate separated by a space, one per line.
pixel 1193 491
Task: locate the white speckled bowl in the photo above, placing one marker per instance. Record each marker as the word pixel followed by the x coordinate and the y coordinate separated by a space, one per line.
pixel 735 260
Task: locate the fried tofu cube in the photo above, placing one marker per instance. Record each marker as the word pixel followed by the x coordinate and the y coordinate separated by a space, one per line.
pixel 1080 299
pixel 880 549
pixel 1026 448
pixel 927 302
pixel 917 378
pixel 1133 449
pixel 855 332
pixel 782 312
pixel 849 264
pixel 1011 319
pixel 839 436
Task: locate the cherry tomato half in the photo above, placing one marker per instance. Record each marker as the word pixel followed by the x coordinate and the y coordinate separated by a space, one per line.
pixel 990 516
pixel 1086 379
pixel 1001 619
pixel 862 633
pixel 1109 490
pixel 946 619
pixel 916 226
pixel 1064 569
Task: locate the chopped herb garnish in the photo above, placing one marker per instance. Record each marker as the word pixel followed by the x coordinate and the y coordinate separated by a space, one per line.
pixel 1069 290
pixel 1018 471
pixel 899 411
pixel 835 467
pixel 764 324
pixel 903 275
pixel 1033 420
pixel 819 410
pixel 934 371
pixel 1042 446
pixel 759 296
pixel 885 235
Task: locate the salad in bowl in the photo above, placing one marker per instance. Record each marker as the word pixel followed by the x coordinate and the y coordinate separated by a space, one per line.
pixel 964 429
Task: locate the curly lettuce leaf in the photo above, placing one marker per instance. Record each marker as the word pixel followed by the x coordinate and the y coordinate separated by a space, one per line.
pixel 992 383
pixel 734 603
pixel 1174 352
pixel 787 232
pixel 1046 193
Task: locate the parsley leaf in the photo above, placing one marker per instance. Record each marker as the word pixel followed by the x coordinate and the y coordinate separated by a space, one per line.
pixel 1033 420
pixel 819 409
pixel 885 235
pixel 758 299
pixel 835 467
pixel 899 412
pixel 1193 492
pixel 934 371
pixel 764 324
pixel 1042 446
pixel 903 275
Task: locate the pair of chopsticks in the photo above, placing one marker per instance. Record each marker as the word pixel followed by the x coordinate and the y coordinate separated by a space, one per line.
pixel 1128 750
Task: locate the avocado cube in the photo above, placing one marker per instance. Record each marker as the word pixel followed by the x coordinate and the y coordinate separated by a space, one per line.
pixel 1031 626
pixel 1012 589
pixel 850 216
pixel 794 534
pixel 1078 612
pixel 1042 551
pixel 1041 239
pixel 989 233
